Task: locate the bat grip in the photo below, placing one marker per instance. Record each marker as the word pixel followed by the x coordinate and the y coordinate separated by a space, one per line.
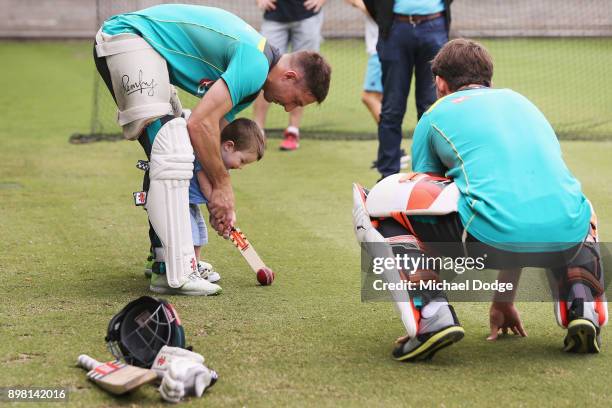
pixel 87 362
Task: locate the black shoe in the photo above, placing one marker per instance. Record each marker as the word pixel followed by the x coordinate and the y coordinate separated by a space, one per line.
pixel 435 333
pixel 583 332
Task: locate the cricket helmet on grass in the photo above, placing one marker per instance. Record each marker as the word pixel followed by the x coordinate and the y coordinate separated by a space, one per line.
pixel 142 328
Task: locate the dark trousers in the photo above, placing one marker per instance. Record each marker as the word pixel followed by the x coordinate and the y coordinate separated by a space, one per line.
pixel 409 48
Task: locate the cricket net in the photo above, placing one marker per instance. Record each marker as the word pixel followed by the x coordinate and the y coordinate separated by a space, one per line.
pixel 559 57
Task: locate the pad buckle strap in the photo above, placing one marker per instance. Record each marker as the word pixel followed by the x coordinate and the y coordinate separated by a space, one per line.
pixel 107 48
pixel 140 198
pixel 420 275
pixel 151 110
pixel 581 275
pixel 142 165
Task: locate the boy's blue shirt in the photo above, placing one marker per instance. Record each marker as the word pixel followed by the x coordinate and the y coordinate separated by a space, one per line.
pixel 195 194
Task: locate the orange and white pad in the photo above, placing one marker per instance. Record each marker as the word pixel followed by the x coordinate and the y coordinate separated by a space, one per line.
pixel 377 246
pixel 246 249
pixel 412 194
pixel 600 305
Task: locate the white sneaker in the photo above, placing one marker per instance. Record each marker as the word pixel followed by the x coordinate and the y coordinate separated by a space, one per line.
pixel 404 161
pixel 195 286
pixel 207 272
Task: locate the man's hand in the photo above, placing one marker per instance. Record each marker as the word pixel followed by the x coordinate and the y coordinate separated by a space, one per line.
pixel 221 208
pixel 221 227
pixel 204 131
pixel 266 5
pixel 314 5
pixel 504 316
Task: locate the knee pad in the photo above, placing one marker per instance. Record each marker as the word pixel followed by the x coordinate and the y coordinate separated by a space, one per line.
pixel 170 171
pixel 140 79
pixel 412 194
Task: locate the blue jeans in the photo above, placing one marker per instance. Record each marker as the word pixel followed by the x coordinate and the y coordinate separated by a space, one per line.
pixel 408 48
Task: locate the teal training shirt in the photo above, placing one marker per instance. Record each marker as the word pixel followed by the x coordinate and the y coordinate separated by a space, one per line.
pixel 506 161
pixel 201 44
pixel 418 7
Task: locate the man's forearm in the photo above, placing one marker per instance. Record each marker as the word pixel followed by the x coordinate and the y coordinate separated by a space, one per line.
pixel 511 276
pixel 206 142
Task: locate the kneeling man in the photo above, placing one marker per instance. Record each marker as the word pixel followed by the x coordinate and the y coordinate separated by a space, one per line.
pixel 489 174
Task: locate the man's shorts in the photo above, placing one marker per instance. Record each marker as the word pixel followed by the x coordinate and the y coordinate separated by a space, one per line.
pixel 373 76
pixel 302 35
pixel 199 232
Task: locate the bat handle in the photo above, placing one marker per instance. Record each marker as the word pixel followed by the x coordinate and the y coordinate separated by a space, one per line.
pixel 87 362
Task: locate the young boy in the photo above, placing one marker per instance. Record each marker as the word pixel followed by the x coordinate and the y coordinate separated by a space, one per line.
pixel 242 143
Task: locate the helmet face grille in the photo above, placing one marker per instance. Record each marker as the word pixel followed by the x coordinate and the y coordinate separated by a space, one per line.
pixel 144 333
pixel 142 328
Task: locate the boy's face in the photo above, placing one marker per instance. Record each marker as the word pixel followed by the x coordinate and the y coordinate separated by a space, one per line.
pixel 235 159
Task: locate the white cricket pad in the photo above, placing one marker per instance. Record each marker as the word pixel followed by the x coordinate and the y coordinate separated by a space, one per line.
pixel 140 79
pixel 171 169
pixel 377 246
pixel 420 195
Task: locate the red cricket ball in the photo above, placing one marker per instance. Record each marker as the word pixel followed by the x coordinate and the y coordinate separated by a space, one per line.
pixel 265 276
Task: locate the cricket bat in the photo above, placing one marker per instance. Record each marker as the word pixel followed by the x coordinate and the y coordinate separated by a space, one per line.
pixel 114 376
pixel 241 242
pixel 265 276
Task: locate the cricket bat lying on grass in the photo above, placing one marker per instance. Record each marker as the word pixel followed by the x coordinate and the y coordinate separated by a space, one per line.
pixel 115 377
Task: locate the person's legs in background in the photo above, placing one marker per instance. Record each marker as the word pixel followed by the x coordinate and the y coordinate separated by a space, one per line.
pixel 432 35
pixel 396 55
pixel 372 87
pixel 305 35
pixel 372 98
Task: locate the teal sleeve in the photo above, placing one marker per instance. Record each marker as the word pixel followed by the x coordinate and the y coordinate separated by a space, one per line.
pixel 424 158
pixel 231 115
pixel 246 72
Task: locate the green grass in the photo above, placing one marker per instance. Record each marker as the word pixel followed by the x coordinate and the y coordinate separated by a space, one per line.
pixel 564 77
pixel 73 249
